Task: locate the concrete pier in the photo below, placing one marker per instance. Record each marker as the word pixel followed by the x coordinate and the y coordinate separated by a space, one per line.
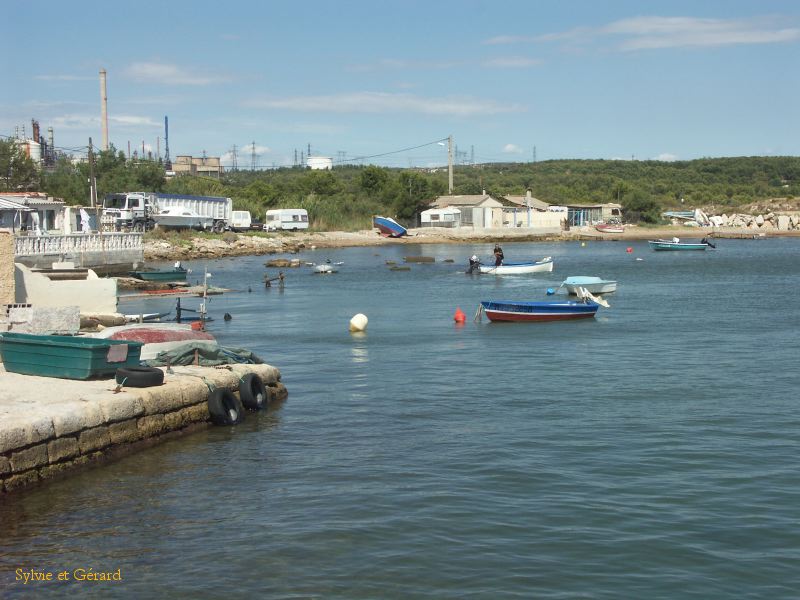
pixel 49 426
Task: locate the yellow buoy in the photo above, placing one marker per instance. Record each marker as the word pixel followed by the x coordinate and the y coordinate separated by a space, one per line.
pixel 583 244
pixel 359 322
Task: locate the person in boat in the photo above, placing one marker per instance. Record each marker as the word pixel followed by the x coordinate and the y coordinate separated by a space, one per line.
pixel 498 255
pixel 706 241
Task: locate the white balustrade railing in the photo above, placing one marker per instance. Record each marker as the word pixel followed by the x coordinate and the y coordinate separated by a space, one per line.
pixel 76 243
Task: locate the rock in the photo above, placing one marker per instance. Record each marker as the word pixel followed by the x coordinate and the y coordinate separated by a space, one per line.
pixel 760 220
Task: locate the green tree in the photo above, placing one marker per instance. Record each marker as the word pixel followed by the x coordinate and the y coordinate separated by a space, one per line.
pixel 413 195
pixel 373 179
pixel 638 206
pixel 17 172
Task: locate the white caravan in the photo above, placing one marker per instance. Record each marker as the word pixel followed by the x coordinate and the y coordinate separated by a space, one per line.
pixel 286 218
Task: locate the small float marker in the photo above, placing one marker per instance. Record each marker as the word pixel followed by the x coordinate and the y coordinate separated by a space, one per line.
pixel 629 250
pixel 358 322
pixel 459 316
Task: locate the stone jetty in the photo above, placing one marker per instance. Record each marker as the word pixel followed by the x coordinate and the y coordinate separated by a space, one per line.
pixel 49 427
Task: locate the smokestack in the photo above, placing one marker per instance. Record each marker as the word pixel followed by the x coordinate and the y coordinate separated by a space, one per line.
pixel 104 108
pixel 167 162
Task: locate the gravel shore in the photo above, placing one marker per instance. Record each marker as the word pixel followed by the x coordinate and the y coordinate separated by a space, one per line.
pixel 293 242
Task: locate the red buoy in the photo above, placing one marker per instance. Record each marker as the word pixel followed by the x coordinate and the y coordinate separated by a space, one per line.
pixel 629 250
pixel 459 317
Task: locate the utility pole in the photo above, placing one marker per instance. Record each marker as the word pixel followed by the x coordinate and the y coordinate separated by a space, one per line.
pixel 253 157
pixel 234 163
pixel 450 165
pixel 534 154
pixel 92 185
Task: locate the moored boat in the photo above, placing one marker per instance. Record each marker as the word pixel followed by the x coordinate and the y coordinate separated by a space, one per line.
pixel 511 310
pixel 174 274
pixel 388 227
pixel 594 285
pixel 676 244
pixel 519 268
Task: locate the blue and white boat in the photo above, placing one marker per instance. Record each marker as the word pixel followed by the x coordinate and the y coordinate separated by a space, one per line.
pixel 676 244
pixel 519 268
pixel 515 311
pixel 388 227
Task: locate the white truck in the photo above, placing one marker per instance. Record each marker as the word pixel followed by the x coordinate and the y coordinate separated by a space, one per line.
pixel 286 218
pixel 133 211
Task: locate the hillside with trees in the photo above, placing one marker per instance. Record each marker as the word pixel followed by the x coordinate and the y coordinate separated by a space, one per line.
pixel 346 197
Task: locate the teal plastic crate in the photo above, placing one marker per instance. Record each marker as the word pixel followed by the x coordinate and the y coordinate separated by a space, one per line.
pixel 66 357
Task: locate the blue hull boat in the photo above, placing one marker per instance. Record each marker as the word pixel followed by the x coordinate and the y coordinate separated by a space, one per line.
pixel 389 227
pixel 507 310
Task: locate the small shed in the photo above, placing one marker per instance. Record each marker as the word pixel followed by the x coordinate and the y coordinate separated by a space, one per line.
pixel 448 216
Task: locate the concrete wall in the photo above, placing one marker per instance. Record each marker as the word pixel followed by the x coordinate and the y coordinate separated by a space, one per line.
pixel 6 268
pixel 92 295
pixel 44 435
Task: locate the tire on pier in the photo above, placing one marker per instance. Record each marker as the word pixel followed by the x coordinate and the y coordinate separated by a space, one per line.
pixel 253 392
pixel 139 376
pixel 225 408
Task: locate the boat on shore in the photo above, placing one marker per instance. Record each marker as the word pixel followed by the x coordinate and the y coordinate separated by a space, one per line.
pixel 519 268
pixel 676 244
pixel 594 285
pixel 610 228
pixel 178 217
pixel 388 227
pixel 518 311
pixel 155 337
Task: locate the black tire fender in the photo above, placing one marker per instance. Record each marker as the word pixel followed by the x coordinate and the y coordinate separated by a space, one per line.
pixel 225 408
pixel 139 376
pixel 253 392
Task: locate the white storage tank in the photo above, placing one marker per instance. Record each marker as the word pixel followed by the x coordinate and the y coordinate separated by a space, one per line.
pixel 319 162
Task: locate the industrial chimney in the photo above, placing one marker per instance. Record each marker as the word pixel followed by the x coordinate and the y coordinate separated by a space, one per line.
pixel 104 108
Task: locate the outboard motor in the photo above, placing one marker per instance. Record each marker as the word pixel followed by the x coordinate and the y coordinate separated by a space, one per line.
pixel 474 265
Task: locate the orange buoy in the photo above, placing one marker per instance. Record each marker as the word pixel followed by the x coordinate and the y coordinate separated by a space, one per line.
pixel 628 249
pixel 459 317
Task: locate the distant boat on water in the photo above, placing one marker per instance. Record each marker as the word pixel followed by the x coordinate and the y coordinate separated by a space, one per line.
pixel 676 244
pixel 388 227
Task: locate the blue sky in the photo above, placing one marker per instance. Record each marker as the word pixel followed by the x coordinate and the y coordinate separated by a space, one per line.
pixel 582 79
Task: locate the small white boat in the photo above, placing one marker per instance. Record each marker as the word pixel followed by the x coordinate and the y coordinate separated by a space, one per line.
pixel 324 269
pixel 594 285
pixel 508 268
pixel 178 217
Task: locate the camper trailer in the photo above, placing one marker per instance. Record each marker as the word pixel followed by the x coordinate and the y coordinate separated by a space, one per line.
pixel 286 218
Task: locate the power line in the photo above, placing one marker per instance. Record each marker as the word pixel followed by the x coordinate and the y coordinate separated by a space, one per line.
pixel 346 160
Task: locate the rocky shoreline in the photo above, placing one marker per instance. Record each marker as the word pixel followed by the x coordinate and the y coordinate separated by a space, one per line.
pixel 231 244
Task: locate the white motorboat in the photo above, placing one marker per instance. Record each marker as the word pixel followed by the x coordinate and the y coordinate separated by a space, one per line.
pixel 520 268
pixel 594 285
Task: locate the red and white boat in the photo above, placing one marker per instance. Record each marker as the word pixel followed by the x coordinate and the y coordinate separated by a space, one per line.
pixel 610 228
pixel 156 337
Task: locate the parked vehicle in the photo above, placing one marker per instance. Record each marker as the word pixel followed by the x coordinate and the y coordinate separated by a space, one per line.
pixel 135 211
pixel 286 218
pixel 241 220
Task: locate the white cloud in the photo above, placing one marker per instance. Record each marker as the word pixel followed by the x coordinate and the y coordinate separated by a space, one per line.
pixel 666 157
pixel 512 149
pixel 167 74
pixel 644 32
pixel 395 64
pixel 85 121
pixel 381 102
pixel 512 62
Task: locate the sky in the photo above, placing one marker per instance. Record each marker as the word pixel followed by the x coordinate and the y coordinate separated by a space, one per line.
pixel 387 82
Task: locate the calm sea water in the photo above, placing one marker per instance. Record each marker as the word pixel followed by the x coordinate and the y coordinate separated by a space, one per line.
pixel 652 452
